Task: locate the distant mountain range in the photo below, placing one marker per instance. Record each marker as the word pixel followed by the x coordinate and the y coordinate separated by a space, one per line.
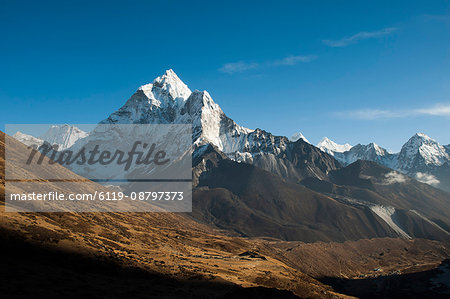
pixel 257 184
pixel 421 157
pixel 168 100
pixel 61 136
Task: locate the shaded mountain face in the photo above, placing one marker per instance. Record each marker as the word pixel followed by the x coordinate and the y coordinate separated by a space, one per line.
pixel 362 200
pixel 411 208
pixel 421 158
pixel 253 202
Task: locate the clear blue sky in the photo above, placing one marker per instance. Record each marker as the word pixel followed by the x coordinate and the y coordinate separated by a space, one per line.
pixel 355 71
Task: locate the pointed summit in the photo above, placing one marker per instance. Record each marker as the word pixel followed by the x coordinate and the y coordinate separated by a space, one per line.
pixel 63 135
pixel 298 136
pixel 170 84
pixel 158 102
pixel 198 101
pixel 421 147
pixel 331 147
pixel 376 149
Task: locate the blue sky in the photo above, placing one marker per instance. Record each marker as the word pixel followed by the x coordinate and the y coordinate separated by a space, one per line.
pixel 355 71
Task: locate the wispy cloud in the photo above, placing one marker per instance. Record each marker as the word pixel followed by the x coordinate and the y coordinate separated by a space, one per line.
pixel 368 114
pixel 242 66
pixel 293 60
pixel 427 178
pixel 343 42
pixel 439 110
pixel 393 177
pixel 371 114
pixel 237 67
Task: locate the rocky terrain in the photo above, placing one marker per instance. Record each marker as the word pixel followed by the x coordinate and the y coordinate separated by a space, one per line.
pixel 271 217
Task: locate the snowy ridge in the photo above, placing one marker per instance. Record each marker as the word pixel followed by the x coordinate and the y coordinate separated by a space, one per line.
pixel 169 101
pixel 330 147
pixel 154 103
pixel 423 150
pixel 63 135
pixel 371 152
pixel 298 136
pixel 28 140
pixel 159 103
pixel 421 157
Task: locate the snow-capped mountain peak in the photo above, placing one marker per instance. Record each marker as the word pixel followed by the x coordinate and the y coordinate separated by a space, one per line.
pixel 378 150
pixel 427 149
pixel 63 135
pixel 331 147
pixel 154 104
pixel 169 86
pixel 298 136
pixel 168 100
pixel 158 102
pixel 210 124
pixel 28 139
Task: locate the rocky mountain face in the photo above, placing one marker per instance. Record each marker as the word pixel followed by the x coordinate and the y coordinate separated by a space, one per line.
pixel 421 157
pixel 169 100
pixel 252 202
pixel 362 199
pixel 370 152
pixel 420 152
pixel 411 208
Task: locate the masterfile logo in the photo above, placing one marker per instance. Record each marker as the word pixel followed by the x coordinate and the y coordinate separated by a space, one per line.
pixel 147 166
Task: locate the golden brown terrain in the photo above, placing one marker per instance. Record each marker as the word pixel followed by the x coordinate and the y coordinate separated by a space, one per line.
pixel 144 255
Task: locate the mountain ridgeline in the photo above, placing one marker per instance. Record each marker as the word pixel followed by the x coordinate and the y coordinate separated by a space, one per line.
pixel 254 183
pixel 421 158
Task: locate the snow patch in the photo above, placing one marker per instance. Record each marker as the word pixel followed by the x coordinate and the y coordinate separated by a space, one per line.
pixel 298 136
pixel 63 135
pixel 28 140
pixel 330 147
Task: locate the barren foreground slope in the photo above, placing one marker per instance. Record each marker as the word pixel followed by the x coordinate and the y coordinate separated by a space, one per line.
pixel 144 255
